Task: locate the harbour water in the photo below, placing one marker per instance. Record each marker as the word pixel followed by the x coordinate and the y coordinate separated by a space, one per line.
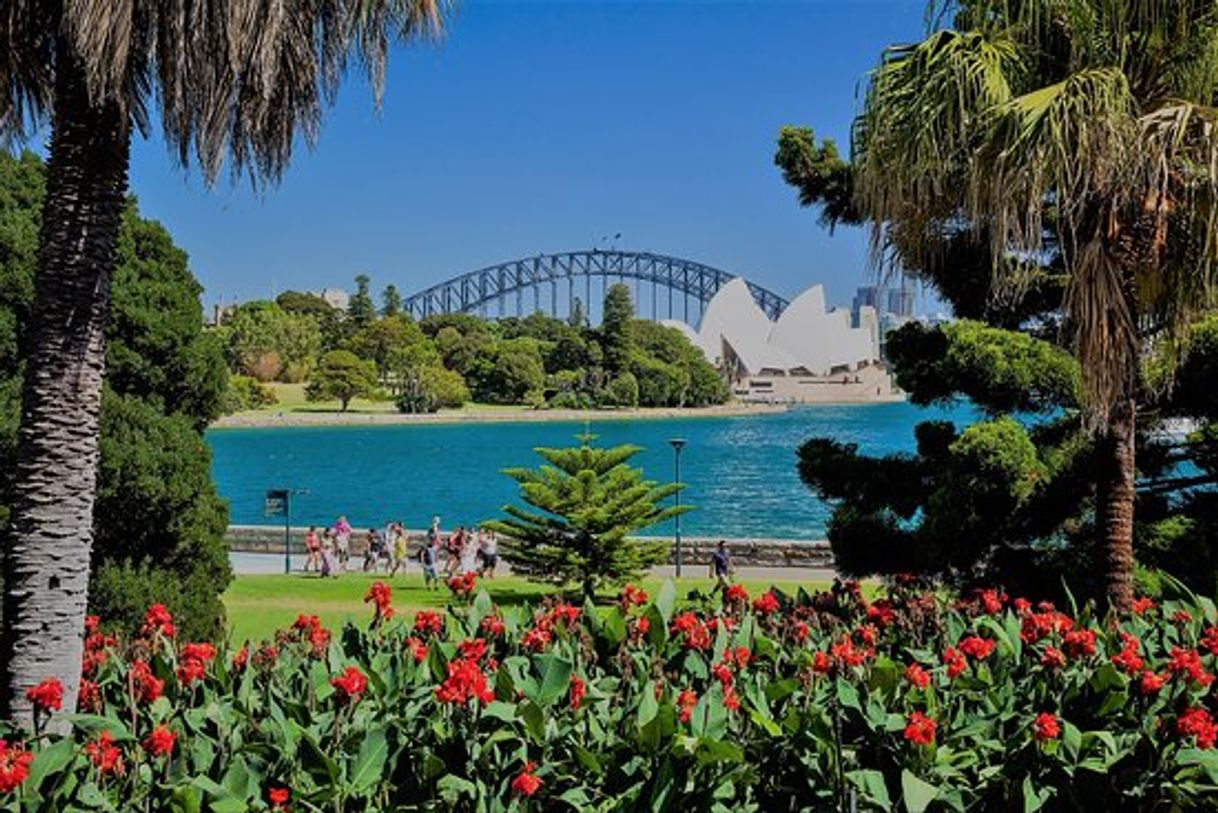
pixel 740 472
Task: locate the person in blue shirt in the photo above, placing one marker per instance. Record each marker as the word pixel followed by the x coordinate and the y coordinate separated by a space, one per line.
pixel 721 565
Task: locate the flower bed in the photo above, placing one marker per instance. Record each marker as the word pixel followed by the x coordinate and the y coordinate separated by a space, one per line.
pixel 763 703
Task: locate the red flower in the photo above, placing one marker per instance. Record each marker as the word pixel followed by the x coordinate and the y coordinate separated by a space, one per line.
pixel 844 653
pixel 639 627
pixel 1128 659
pixel 955 662
pixel 418 649
pixel 159 741
pixel 190 671
pixel 465 682
pixel 1079 643
pixel 463 585
pixel 1021 605
pixel 632 596
pixel 991 601
pixel 723 673
pixel 278 797
pixel 731 700
pixel 736 594
pixel 92 622
pixel 977 648
pixel 428 622
pixel 240 659
pixel 801 631
pixel 525 783
pixel 1045 727
pixel 89 698
pixel 306 623
pixel 822 663
pixel 686 701
pixel 1209 640
pixel 881 612
pixel 350 684
pixel 105 755
pixel 1181 617
pixel 696 634
pixel 473 649
pixel 578 690
pixel 14 766
pixel 380 593
pixel 535 640
pixel 918 676
pixel 1197 722
pixel 1188 661
pixel 319 639
pixel 47 695
pixel 766 603
pixel 266 656
pixel 1053 658
pixel 146 686
pixel 492 625
pixel 1143 605
pixel 920 729
pixel 158 619
pixel 1151 683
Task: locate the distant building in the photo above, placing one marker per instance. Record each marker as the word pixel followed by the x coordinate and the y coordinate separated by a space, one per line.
pixel 809 354
pixel 868 296
pixel 336 297
pixel 901 302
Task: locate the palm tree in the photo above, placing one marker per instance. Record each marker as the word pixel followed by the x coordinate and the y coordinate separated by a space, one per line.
pixel 1081 128
pixel 234 80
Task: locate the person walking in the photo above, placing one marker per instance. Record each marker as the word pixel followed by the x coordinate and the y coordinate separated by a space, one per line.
pixel 313 548
pixel 329 567
pixel 490 553
pixel 342 539
pixel 427 558
pixel 721 566
pixel 400 550
pixel 454 550
pixel 374 550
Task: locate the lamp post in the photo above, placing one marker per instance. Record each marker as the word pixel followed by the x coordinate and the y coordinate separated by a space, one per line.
pixel 677 445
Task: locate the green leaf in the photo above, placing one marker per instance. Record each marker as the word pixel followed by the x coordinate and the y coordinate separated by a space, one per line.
pixel 871 787
pixel 916 793
pixel 51 761
pixel 453 787
pixel 534 720
pixel 555 681
pixel 186 799
pixel 648 705
pixel 370 762
pixel 666 601
pixel 1034 799
pixel 220 799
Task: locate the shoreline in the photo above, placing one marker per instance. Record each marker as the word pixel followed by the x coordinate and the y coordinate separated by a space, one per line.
pixel 269 420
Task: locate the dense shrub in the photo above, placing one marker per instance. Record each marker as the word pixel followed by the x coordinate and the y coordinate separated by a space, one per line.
pixel 245 392
pixel 756 703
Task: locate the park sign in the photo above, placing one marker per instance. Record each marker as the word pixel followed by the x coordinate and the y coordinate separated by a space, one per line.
pixel 276 504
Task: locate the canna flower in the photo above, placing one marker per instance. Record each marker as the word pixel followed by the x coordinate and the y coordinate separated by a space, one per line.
pixel 535 640
pixel 920 729
pixel 976 647
pixel 881 613
pixel 241 658
pixel 145 686
pixel 47 695
pixel 465 682
pixel 89 698
pixel 632 596
pixel 736 594
pixel 278 798
pixel 157 619
pixel 1079 643
pixel 1045 727
pixel 492 625
pixel 822 663
pixel 380 594
pixel 1053 658
pixel 1151 684
pixel 14 766
pixel 350 684
pixel 525 783
pixel 955 662
pixel 918 676
pixel 473 649
pixel 1143 605
pixel 1188 662
pixel 105 755
pixel 578 690
pixel 766 603
pixel 1209 640
pixel 731 700
pixel 418 649
pixel 801 631
pixel 686 701
pixel 1197 722
pixel 428 622
pixel 159 741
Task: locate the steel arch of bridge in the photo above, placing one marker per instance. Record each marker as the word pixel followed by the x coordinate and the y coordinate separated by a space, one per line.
pixel 478 289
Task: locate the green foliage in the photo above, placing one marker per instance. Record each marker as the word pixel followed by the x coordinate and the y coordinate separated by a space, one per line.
pixel 245 393
pixel 583 505
pixel 819 173
pixel 361 310
pixel 342 376
pixel 156 509
pixel 269 343
pixel 433 387
pixel 391 301
pixel 617 328
pixel 378 340
pixel 773 705
pixel 157 519
pixel 509 370
pixel 622 391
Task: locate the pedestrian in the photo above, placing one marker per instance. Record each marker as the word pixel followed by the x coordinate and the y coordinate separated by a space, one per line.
pixel 490 554
pixel 374 550
pixel 342 540
pixel 400 546
pixel 453 550
pixel 721 566
pixel 427 558
pixel 313 548
pixel 329 567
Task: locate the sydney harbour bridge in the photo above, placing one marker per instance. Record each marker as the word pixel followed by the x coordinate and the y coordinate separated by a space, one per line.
pixel 663 287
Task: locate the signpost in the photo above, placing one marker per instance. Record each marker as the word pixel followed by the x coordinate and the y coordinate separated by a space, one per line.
pixel 279 503
pixel 677 445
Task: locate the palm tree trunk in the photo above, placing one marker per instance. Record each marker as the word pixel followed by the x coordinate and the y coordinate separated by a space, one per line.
pixel 1115 502
pixel 46 564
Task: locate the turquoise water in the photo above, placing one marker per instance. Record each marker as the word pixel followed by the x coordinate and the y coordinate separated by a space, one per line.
pixel 740 471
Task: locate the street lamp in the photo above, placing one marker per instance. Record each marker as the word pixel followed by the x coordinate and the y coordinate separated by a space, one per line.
pixel 677 445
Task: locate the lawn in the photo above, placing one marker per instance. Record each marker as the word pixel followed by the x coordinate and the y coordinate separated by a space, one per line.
pixel 258 605
pixel 291 399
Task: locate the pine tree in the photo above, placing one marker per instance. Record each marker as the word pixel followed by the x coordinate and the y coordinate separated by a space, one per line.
pixel 361 310
pixel 617 338
pixel 585 504
pixel 391 301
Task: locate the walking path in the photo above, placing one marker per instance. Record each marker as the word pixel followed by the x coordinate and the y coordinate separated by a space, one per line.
pixel 250 564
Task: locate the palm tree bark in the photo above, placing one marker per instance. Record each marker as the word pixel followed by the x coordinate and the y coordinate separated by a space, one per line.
pixel 46 563
pixel 1115 502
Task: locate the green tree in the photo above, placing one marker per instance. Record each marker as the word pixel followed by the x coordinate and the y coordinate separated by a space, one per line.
pixel 379 339
pixel 584 504
pixel 89 74
pixel 577 318
pixel 432 387
pixel 510 371
pixel 361 310
pixel 391 301
pixel 1083 130
pixel 269 343
pixel 341 376
pixel 616 332
pixel 622 391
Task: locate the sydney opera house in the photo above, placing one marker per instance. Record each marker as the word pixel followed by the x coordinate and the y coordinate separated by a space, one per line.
pixel 809 354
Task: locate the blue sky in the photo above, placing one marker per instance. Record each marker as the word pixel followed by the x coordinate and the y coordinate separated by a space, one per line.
pixel 542 126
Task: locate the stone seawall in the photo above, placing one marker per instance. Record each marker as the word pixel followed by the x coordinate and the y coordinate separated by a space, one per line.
pixel 695 550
